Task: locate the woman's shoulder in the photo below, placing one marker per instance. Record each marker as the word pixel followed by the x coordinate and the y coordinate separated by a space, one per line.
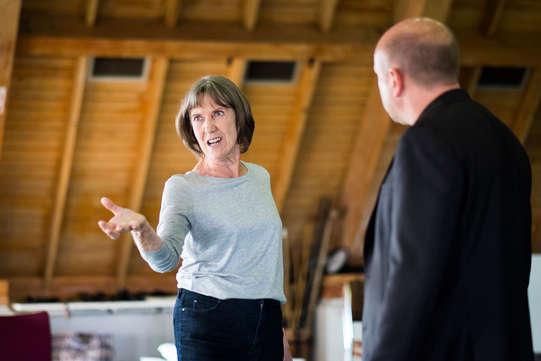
pixel 256 168
pixel 180 181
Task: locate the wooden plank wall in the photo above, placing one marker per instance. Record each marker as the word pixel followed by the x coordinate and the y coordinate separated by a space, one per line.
pixel 34 135
pixel 325 150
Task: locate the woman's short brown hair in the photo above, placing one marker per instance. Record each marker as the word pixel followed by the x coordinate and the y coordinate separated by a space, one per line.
pixel 225 93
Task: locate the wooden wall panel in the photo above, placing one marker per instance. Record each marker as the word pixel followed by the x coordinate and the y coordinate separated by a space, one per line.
pixel 466 14
pixel 170 156
pixel 272 105
pixel 325 150
pixel 520 16
pixel 132 9
pixel 291 12
pixel 57 7
pixel 34 134
pixel 228 11
pixel 503 103
pixel 371 13
pixel 103 165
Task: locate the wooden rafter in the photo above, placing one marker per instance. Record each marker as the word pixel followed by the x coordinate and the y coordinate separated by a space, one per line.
pixel 10 10
pixel 375 143
pixel 91 13
pixel 493 14
pixel 66 287
pixel 172 12
pixel 308 77
pixel 57 216
pixel 469 77
pixel 359 193
pixel 236 69
pixel 64 37
pixel 435 9
pixel 153 104
pixel 61 36
pixel 251 13
pixel 530 101
pixel 327 9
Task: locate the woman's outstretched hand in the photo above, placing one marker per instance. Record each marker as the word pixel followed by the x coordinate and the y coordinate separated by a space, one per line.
pixel 124 220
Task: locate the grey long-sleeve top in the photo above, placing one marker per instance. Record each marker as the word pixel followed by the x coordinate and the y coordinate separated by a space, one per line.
pixel 228 233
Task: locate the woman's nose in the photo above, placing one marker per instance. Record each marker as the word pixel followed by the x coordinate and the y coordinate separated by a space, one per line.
pixel 210 126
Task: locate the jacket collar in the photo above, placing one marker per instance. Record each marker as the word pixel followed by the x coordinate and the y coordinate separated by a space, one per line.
pixel 448 97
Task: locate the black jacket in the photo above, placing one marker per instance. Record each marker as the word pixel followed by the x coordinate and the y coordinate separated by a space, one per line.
pixel 448 249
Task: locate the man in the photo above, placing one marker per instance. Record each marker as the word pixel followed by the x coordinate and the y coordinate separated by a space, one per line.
pixel 447 252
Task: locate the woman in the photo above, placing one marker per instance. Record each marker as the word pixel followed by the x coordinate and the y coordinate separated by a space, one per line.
pixel 220 221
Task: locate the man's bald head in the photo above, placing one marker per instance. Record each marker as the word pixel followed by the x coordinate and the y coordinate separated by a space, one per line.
pixel 423 49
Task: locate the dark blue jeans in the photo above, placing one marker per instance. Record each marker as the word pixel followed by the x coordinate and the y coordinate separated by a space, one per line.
pixel 210 329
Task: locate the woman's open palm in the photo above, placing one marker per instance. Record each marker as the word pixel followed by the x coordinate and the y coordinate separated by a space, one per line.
pixel 124 219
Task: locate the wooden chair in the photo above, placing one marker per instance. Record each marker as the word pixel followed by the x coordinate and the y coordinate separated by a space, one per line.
pixel 25 337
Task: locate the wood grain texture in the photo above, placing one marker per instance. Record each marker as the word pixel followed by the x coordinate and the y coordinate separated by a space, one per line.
pixel 307 83
pixel 151 108
pixel 78 88
pixel 172 12
pixel 91 12
pixel 327 10
pixel 529 103
pixel 251 14
pixel 10 10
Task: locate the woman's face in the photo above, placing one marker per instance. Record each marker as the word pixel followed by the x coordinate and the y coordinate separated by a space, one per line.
pixel 215 129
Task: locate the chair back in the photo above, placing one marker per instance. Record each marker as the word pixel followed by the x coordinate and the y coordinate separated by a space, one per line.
pixel 25 337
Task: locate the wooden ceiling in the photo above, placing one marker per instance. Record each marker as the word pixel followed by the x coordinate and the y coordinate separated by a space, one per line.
pixel 68 139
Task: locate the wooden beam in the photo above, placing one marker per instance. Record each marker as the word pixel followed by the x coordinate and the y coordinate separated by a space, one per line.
pixel 10 10
pixel 529 103
pixel 57 216
pixel 469 78
pixel 4 292
pixel 70 287
pixel 501 50
pixel 153 104
pixel 236 69
pixel 172 12
pixel 64 37
pixel 251 13
pixel 91 12
pixel 308 77
pixel 435 9
pixel 374 146
pixel 493 14
pixel 327 9
pixel 61 36
pixel 358 195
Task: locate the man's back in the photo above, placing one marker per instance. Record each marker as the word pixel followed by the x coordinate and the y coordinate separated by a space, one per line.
pixel 494 256
pixel 475 239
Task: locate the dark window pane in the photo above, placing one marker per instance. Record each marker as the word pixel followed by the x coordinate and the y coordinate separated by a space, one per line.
pixel 283 71
pixel 501 77
pixel 118 67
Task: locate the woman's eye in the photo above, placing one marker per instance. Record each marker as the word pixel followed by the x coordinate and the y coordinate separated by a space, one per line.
pixel 219 113
pixel 197 118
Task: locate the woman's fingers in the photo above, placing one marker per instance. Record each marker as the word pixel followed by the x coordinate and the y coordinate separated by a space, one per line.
pixel 107 229
pixel 124 219
pixel 110 205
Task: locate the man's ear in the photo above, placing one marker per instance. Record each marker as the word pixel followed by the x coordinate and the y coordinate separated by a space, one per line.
pixel 396 79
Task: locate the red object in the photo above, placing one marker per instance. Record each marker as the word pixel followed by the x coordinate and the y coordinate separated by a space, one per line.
pixel 25 337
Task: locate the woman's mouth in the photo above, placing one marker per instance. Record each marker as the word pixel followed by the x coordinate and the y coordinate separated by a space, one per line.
pixel 214 141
